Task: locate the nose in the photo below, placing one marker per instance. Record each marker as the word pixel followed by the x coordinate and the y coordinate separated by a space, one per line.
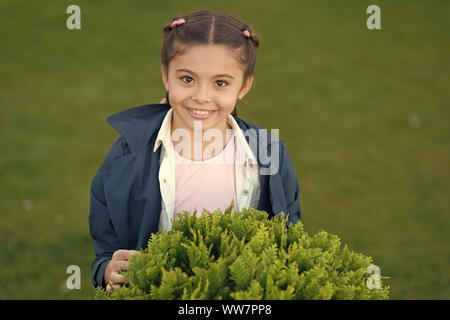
pixel 201 95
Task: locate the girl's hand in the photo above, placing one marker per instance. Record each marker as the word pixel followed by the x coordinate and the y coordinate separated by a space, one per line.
pixel 119 262
pixel 164 100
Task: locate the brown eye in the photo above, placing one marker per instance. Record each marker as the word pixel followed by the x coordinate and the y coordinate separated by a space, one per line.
pixel 186 79
pixel 221 83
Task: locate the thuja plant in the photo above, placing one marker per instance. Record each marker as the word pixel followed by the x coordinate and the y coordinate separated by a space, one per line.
pixel 245 255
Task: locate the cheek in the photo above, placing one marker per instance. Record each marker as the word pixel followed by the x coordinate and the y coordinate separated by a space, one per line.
pixel 177 96
pixel 227 102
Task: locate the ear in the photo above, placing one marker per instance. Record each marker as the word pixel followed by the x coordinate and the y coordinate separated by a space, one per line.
pixel 246 86
pixel 165 77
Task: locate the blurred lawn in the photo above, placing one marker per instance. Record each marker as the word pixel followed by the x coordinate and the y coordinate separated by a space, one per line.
pixel 365 116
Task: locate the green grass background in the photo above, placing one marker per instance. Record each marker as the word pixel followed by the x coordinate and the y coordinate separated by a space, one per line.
pixel 364 114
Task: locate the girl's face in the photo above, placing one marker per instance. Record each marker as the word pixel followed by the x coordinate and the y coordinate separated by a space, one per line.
pixel 204 83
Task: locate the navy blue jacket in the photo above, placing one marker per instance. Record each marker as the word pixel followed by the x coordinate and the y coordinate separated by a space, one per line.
pixel 125 195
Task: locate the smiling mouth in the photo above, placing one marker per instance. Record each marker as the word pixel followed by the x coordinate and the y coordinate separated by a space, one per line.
pixel 200 114
pixel 201 111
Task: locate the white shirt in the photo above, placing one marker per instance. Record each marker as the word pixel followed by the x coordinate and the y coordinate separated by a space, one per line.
pixel 246 171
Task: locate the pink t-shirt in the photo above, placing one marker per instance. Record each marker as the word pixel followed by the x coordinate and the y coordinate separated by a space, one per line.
pixel 208 184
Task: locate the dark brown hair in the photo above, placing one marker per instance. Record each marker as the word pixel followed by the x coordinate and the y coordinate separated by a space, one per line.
pixel 205 27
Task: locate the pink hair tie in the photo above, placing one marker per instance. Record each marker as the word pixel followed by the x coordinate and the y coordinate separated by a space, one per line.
pixel 177 22
pixel 248 34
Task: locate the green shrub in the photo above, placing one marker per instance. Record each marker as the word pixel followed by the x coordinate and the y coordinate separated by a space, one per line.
pixel 244 255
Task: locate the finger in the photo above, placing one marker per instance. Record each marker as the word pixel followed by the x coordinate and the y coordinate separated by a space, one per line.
pixel 122 265
pixel 111 287
pixel 123 254
pixel 131 252
pixel 116 286
pixel 117 278
pixel 164 100
pixel 119 265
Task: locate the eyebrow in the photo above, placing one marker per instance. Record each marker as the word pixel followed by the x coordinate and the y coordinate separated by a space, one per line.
pixel 215 76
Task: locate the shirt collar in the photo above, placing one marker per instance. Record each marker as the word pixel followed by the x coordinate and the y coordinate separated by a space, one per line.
pixel 164 132
pixel 242 153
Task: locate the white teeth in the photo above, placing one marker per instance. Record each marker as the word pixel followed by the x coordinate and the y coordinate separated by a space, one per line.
pixel 200 112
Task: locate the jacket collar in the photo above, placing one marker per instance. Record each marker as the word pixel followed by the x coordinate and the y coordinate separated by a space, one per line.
pixel 164 131
pixel 138 125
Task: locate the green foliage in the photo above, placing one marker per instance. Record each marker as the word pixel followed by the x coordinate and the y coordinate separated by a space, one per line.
pixel 245 255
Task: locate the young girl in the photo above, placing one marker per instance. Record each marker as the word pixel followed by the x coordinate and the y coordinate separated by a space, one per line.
pixel 208 62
